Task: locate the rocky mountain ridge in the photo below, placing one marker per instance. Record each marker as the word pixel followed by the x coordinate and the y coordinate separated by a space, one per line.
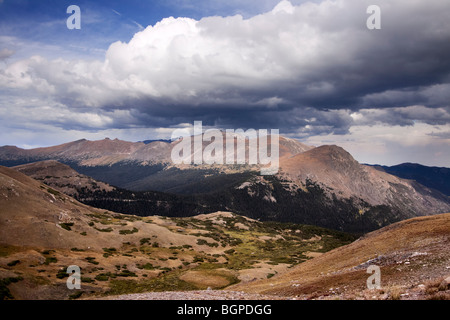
pixel 322 185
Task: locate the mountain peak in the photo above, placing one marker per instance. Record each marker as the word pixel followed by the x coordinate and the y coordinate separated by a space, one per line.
pixel 333 152
pixel 322 159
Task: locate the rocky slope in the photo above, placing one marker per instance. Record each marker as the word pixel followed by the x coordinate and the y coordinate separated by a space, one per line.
pixel 412 255
pixel 340 174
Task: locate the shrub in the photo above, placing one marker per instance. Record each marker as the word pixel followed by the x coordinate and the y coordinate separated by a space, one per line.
pixel 134 230
pixel 13 263
pixel 127 273
pixel 91 260
pixel 52 191
pixel 204 242
pixel 66 226
pixel 102 277
pixel 147 266
pixel 198 259
pixel 87 279
pixel 109 229
pixel 109 252
pixel 62 273
pixel 75 295
pixel 49 260
pixel 144 241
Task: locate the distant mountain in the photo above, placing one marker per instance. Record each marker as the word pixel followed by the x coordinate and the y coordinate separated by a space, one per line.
pixel 138 166
pixel 109 152
pixel 90 153
pixel 433 177
pixel 161 140
pixel 323 186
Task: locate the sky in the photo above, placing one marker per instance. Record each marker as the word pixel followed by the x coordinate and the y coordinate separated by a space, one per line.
pixel 137 70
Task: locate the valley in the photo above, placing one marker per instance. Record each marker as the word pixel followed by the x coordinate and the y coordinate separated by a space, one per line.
pixel 46 231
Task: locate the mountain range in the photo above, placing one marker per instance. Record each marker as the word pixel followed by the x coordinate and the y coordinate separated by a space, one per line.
pixel 323 186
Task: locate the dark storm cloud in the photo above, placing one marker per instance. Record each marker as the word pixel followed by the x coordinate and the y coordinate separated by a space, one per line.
pixel 303 69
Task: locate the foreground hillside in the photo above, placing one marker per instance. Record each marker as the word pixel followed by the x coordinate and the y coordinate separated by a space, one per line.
pixel 43 231
pixel 413 256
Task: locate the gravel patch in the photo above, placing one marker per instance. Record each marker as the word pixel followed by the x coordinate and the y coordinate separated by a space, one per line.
pixel 194 295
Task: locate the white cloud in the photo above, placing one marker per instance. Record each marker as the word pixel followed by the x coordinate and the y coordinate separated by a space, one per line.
pixel 188 60
pixel 310 67
pixel 391 145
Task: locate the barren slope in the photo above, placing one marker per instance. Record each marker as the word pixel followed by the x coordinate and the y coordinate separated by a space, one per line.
pixel 413 256
pixel 62 177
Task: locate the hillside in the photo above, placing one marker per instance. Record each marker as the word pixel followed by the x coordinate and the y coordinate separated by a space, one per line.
pixel 334 169
pixel 44 231
pixel 63 177
pixel 413 257
pixel 258 197
pixel 432 177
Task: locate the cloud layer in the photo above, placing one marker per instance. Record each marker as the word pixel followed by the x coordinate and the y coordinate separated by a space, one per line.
pixel 310 69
